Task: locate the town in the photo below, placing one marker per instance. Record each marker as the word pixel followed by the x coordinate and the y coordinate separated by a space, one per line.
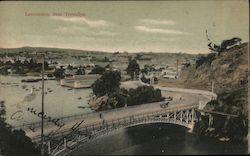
pixel 63 65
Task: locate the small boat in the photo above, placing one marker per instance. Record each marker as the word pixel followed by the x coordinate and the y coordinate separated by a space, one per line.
pixel 69 88
pixel 79 98
pixel 50 91
pixel 30 80
pixel 81 107
pixel 224 139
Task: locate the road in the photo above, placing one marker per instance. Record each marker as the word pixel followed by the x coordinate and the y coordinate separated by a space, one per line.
pixel 179 99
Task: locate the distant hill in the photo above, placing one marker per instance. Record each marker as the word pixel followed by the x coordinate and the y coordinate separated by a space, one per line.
pixel 147 57
pixel 44 49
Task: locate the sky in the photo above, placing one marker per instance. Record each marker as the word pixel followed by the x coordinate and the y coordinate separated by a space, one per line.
pixel 132 26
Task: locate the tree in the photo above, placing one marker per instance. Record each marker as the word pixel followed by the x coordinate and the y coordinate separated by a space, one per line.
pixel 145 80
pixel 70 67
pixel 98 70
pixel 120 97
pixel 80 71
pixel 59 73
pixel 133 68
pixel 107 84
pixel 14 142
pixel 144 94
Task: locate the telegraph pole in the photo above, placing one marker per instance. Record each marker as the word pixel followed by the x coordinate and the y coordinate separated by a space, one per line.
pixel 42 137
pixel 212 86
pixel 177 70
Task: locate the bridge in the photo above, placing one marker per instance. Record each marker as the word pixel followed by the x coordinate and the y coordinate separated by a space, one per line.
pixel 83 128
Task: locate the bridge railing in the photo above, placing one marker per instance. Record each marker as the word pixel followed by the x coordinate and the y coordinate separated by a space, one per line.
pixel 77 116
pixel 100 128
pixel 99 124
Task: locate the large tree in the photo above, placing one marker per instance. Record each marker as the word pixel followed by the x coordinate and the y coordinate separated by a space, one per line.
pixel 107 84
pixel 133 68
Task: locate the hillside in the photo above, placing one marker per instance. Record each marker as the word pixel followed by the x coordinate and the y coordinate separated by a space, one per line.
pixel 229 72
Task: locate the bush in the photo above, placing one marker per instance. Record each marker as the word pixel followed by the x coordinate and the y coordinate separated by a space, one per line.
pixel 144 94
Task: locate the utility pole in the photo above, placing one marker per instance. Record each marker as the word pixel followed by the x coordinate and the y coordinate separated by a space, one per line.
pixel 212 86
pixel 42 137
pixel 177 70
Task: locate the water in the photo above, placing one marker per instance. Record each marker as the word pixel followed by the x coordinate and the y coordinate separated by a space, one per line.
pixel 157 139
pixel 59 102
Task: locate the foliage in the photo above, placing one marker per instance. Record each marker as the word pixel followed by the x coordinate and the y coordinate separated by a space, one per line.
pixel 232 102
pixel 201 60
pixel 107 84
pixel 59 73
pixel 225 45
pixel 121 97
pixel 144 94
pixel 98 70
pixel 145 80
pixel 14 142
pixel 70 67
pixel 133 68
pixel 19 67
pixel 105 59
pixel 80 71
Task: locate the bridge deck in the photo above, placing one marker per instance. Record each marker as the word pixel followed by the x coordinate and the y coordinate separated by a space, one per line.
pixel 187 100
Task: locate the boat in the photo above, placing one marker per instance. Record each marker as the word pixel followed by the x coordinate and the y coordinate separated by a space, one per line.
pixel 81 107
pixel 79 98
pixel 29 80
pixel 224 139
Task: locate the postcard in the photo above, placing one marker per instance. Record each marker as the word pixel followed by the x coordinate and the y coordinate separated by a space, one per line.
pixel 124 77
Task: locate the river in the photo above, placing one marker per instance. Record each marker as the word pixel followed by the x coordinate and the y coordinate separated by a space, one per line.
pixel 157 139
pixel 154 139
pixel 59 101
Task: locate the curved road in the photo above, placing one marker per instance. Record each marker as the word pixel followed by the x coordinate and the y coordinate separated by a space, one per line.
pixel 180 98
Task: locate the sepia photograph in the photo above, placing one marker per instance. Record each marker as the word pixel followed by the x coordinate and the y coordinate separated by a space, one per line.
pixel 167 77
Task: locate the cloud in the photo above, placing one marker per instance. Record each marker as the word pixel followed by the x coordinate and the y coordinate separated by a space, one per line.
pixel 82 30
pixel 90 23
pixel 72 29
pixel 157 22
pixel 159 31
